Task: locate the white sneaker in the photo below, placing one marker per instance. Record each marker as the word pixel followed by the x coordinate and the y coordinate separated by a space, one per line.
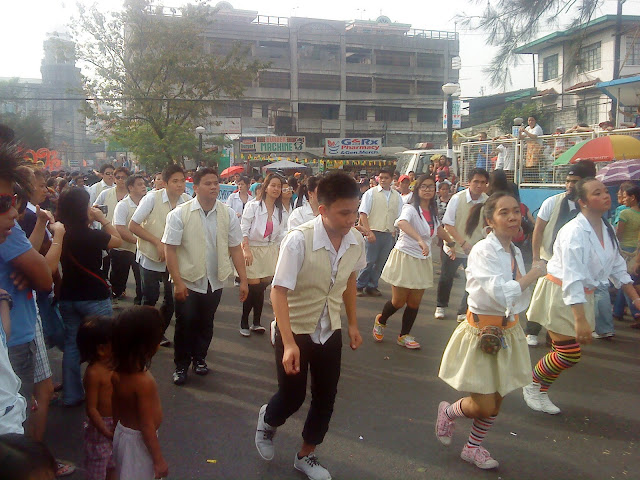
pixel 311 467
pixel 532 340
pixel 264 436
pixel 531 394
pixel 272 332
pixel 461 318
pixel 547 405
pixel 439 313
pixel 245 332
pixel 602 335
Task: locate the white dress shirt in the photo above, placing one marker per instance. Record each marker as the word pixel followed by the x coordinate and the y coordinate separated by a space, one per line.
pixel 299 216
pixel 145 207
pixel 407 197
pixel 408 245
pixel 490 284
pixel 550 203
pixel 235 202
pixel 449 217
pixel 173 236
pixel 121 211
pixel 367 199
pixel 580 261
pixel 292 256
pixel 254 224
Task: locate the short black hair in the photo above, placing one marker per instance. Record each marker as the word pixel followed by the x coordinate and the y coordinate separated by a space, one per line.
pixel 104 166
pixel 93 332
pixel 9 159
pixel 479 171
pixel 336 186
pixel 7 135
pixel 245 179
pixel 125 170
pixel 171 170
pixel 137 332
pixel 388 171
pixel 72 208
pixel 202 172
pixel 131 180
pixel 23 458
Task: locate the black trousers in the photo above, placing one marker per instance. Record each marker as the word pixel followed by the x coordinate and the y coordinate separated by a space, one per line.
pixel 151 292
pixel 121 261
pixel 445 283
pixel 323 361
pixel 194 326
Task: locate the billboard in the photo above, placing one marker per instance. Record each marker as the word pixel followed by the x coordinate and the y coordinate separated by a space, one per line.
pixel 225 125
pixel 342 147
pixel 272 144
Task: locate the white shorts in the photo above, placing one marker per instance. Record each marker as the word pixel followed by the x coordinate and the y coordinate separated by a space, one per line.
pixel 133 460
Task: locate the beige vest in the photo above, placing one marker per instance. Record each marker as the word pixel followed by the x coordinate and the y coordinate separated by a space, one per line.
pixel 111 200
pixel 462 214
pixel 100 187
pixel 129 247
pixel 191 252
pixel 547 235
pixel 313 286
pixel 383 216
pixel 154 224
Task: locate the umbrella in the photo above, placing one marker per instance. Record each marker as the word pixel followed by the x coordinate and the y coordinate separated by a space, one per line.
pixel 227 172
pixel 618 172
pixel 602 149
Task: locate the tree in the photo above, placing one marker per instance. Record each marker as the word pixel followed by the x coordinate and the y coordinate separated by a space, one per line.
pixel 505 121
pixel 28 127
pixel 154 76
pixel 512 23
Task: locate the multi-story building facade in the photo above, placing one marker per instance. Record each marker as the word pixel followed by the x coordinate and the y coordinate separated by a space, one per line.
pixel 575 98
pixel 331 78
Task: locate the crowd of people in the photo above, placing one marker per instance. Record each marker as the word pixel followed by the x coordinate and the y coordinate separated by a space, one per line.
pixel 67 250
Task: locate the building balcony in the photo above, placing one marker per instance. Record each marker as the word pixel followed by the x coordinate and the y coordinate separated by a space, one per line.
pixel 364 126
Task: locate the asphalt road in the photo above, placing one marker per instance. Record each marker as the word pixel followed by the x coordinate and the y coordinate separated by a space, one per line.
pixel 383 423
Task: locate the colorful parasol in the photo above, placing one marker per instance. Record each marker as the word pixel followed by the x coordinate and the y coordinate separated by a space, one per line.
pixel 602 149
pixel 618 172
pixel 227 172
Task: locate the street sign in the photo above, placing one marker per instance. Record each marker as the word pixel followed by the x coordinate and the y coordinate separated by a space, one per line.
pixel 457 115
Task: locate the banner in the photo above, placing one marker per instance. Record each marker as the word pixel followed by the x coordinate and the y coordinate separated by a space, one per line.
pixel 225 125
pixel 342 147
pixel 457 115
pixel 272 144
pixel 225 191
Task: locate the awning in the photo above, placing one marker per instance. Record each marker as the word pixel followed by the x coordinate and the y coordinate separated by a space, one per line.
pixel 626 90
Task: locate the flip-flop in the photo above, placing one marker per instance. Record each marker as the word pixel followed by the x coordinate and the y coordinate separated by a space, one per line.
pixel 635 325
pixel 64 469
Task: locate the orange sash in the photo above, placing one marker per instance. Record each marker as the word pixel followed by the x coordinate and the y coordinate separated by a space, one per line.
pixel 486 320
pixel 558 282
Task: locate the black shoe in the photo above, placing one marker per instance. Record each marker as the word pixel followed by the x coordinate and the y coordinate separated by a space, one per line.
pixel 374 292
pixel 200 367
pixel 180 376
pixel 360 292
pixel 165 342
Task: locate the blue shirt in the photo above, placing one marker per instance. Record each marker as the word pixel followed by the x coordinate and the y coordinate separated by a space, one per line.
pixel 23 313
pixel 482 160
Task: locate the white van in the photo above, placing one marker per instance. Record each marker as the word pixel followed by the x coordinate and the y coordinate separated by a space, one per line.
pixel 418 161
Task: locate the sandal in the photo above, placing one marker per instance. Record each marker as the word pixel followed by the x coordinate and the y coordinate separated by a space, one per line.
pixel 64 469
pixel 635 324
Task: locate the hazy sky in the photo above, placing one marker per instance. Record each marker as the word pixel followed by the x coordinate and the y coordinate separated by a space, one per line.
pixel 24 25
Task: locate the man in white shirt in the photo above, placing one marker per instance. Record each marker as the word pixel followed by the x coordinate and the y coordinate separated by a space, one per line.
pixel 380 207
pixel 147 223
pixel 197 295
pixel 455 221
pixel 506 159
pixel 124 258
pixel 315 275
pixel 106 171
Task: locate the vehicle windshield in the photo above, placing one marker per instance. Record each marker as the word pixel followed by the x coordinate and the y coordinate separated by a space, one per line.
pixel 404 162
pixel 423 164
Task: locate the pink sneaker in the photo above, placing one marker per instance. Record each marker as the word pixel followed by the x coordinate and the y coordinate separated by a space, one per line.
pixel 479 456
pixel 444 426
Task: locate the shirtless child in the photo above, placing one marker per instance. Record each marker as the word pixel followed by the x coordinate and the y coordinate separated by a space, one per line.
pixel 136 404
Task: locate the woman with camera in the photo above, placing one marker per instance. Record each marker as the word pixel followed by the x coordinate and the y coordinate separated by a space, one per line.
pixel 487 354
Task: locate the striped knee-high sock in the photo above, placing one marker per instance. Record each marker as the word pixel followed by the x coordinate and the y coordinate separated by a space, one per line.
pixel 563 355
pixel 479 430
pixel 454 410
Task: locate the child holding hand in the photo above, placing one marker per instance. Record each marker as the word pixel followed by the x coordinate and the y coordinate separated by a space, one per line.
pixel 137 334
pixel 94 344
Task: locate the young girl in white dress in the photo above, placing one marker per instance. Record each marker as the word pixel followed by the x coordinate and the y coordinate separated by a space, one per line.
pixel 498 288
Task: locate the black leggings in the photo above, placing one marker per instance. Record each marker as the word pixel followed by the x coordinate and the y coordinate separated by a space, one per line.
pixel 254 301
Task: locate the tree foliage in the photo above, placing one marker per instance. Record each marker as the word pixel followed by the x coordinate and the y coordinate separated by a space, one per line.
pixel 505 121
pixel 29 128
pixel 155 76
pixel 512 23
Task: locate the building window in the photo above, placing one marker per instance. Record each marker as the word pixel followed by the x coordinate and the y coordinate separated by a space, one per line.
pixel 392 114
pixel 429 88
pixel 316 81
pixel 396 59
pixel 268 79
pixel 386 85
pixel 633 51
pixel 319 53
pixel 588 111
pixel 355 112
pixel 359 55
pixel 308 111
pixel 359 84
pixel 428 115
pixel 550 68
pixel 430 60
pixel 590 57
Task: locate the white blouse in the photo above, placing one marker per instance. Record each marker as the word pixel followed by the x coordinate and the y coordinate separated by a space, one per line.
pixel 254 224
pixel 580 261
pixel 235 202
pixel 408 245
pixel 490 284
pixel 300 215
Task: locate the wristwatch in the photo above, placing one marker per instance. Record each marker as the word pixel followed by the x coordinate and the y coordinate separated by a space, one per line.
pixel 7 298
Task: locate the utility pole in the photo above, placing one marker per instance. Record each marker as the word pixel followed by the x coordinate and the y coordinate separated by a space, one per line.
pixel 616 60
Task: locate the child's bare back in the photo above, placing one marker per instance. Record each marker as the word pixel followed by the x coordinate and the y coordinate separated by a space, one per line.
pixel 97 384
pixel 136 402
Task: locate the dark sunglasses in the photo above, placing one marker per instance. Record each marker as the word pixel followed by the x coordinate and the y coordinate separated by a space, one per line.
pixel 7 201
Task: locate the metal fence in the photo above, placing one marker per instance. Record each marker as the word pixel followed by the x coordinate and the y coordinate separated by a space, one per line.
pixel 528 161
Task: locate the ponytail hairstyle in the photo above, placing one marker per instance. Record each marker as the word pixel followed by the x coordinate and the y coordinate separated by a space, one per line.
pixel 486 210
pixel 304 189
pixel 433 203
pixel 581 194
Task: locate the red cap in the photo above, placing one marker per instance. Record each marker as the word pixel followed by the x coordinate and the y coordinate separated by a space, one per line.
pixel 403 177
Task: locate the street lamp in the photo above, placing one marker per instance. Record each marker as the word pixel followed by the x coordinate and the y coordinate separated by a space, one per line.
pixel 200 130
pixel 449 89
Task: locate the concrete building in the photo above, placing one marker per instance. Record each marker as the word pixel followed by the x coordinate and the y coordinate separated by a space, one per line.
pixel 575 98
pixel 338 78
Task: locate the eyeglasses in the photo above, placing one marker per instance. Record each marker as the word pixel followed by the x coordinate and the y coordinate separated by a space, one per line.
pixel 120 177
pixel 287 190
pixel 7 201
pixel 108 174
pixel 427 187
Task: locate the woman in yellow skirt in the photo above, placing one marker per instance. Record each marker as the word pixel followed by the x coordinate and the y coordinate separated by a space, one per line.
pixel 585 255
pixel 264 223
pixel 498 288
pixel 409 269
